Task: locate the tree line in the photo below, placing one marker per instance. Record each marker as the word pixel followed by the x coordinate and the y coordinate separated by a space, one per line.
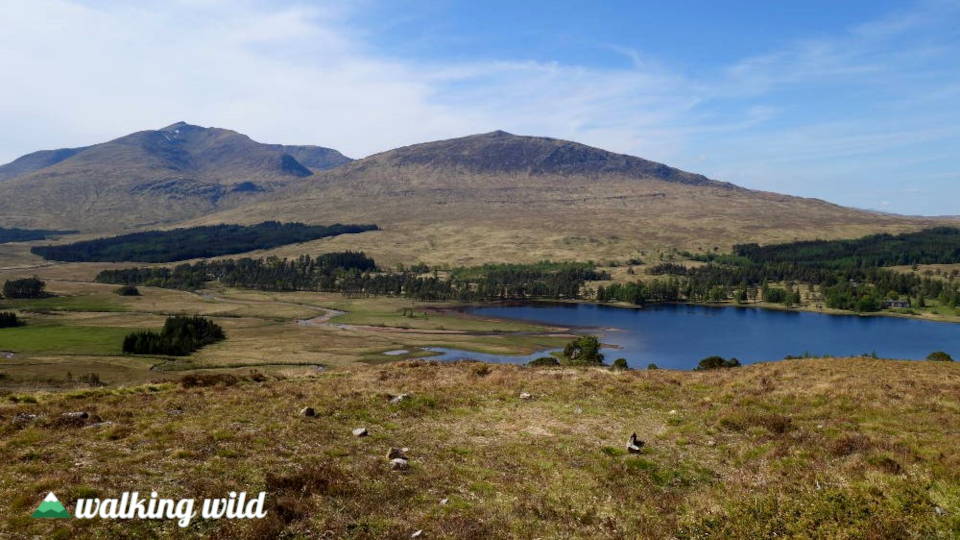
pixel 939 245
pixel 26 235
pixel 193 242
pixel 353 273
pixel 848 280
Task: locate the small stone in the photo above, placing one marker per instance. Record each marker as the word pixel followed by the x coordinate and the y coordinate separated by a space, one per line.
pixel 417 533
pixel 634 445
pixel 444 500
pixel 711 442
pixel 526 395
pixel 398 399
pixel 360 432
pixel 939 511
pixel 308 411
pixel 672 412
pixel 395 453
pixel 82 415
pixel 399 464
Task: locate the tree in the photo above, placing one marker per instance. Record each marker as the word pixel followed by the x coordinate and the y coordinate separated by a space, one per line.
pixel 620 364
pixel 939 356
pixel 716 362
pixel 24 288
pixel 583 351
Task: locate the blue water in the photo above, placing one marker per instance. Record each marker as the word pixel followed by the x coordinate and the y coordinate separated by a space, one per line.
pixel 678 336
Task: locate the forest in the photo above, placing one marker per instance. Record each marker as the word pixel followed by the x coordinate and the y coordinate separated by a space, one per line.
pixel 356 274
pixel 179 336
pixel 193 242
pixel 940 245
pixel 846 274
pixel 26 235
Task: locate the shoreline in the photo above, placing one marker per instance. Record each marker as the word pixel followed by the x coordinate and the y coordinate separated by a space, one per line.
pixel 755 305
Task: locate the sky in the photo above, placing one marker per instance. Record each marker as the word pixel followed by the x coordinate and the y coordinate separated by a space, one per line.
pixel 856 102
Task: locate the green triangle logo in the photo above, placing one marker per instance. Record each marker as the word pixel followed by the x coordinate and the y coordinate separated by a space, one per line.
pixel 51 508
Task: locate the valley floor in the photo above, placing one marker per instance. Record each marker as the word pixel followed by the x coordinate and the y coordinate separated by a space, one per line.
pixel 839 448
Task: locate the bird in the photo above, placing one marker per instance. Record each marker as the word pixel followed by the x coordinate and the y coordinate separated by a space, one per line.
pixel 634 444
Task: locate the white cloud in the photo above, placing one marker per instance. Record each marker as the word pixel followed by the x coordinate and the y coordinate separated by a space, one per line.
pixel 78 73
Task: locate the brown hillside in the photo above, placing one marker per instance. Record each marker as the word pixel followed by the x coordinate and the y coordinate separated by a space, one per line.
pixel 502 197
pixel 150 177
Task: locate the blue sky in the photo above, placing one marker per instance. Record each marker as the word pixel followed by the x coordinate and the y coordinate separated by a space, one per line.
pixel 854 102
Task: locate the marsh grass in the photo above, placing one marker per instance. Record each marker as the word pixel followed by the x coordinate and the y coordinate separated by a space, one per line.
pixel 843 448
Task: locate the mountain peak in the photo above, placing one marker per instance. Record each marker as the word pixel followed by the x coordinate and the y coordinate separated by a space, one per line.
pixel 499 152
pixel 176 125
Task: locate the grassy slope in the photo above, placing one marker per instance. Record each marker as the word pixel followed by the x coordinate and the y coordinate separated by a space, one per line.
pixel 845 448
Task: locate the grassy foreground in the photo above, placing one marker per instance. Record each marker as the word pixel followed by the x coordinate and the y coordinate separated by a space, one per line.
pixel 839 448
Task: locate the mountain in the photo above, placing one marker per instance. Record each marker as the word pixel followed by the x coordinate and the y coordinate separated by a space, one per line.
pixel 151 177
pixel 503 197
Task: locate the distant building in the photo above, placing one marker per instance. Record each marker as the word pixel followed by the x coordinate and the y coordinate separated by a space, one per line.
pixel 896 304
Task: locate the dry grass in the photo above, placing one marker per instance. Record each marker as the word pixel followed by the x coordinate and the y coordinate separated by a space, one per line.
pixel 839 448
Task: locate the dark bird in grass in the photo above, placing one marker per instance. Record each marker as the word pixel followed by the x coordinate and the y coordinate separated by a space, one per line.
pixel 635 444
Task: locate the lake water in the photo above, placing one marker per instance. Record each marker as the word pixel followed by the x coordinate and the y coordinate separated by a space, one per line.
pixel 678 336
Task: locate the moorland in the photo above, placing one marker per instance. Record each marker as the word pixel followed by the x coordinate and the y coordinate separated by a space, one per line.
pixel 310 335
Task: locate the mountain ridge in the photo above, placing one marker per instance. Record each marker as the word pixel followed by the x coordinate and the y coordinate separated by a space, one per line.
pixel 165 175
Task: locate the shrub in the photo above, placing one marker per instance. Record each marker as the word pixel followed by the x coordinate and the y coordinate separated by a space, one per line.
pixel 651 365
pixel 620 364
pixel 127 290
pixel 24 288
pixel 544 361
pixel 9 320
pixel 939 356
pixel 716 362
pixel 583 351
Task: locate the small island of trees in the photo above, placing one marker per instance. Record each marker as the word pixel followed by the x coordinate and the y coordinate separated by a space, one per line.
pixel 9 320
pixel 179 336
pixel 24 288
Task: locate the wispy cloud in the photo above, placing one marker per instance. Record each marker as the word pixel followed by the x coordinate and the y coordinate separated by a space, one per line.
pixel 866 105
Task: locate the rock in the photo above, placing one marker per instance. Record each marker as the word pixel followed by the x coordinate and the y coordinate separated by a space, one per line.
pixel 98 424
pixel 24 417
pixel 939 511
pixel 308 411
pixel 634 445
pixel 417 533
pixel 672 412
pixel 398 399
pixel 360 432
pixel 82 415
pixel 395 453
pixel 399 464
pixel 526 395
pixel 711 442
pixel 444 500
